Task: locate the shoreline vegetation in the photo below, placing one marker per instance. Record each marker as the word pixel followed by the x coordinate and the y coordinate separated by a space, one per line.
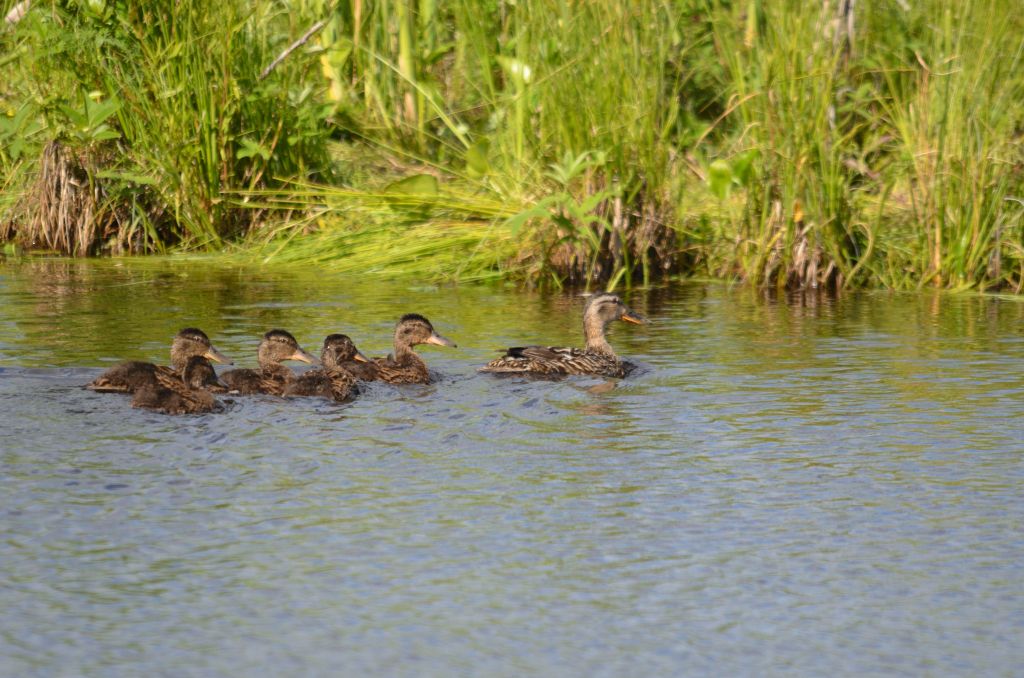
pixel 827 144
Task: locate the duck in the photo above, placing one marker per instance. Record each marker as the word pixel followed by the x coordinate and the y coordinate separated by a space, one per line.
pixel 272 377
pixel 597 358
pixel 404 366
pixel 190 342
pixel 334 380
pixel 189 395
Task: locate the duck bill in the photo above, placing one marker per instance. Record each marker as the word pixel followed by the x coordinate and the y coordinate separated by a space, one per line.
pixel 635 318
pixel 305 357
pixel 360 358
pixel 217 356
pixel 438 340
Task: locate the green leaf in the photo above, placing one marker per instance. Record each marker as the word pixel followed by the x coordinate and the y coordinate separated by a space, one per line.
pixel 516 222
pixel 132 177
pixel 251 149
pixel 417 185
pixel 742 167
pixel 719 178
pixel 78 120
pixel 103 132
pixel 476 159
pixel 97 112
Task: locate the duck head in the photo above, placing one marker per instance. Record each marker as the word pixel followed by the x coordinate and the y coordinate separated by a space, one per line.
pixel 278 346
pixel 199 374
pixel 602 309
pixel 191 342
pixel 413 329
pixel 338 348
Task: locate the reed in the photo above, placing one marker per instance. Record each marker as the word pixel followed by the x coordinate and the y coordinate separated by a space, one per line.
pixel 785 144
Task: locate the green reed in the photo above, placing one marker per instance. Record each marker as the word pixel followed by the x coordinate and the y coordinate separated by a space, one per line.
pixel 598 143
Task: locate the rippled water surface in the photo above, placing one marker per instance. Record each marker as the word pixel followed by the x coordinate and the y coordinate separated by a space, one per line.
pixel 788 486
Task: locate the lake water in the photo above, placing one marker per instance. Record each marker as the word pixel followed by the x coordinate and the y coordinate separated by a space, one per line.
pixel 803 485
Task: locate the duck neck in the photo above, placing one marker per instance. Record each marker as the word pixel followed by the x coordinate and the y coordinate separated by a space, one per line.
pixel 593 330
pixel 403 353
pixel 178 358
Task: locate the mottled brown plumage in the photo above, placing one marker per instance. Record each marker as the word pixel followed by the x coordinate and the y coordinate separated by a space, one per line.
pixel 186 395
pixel 333 381
pixel 404 366
pixel 597 358
pixel 127 377
pixel 361 371
pixel 272 377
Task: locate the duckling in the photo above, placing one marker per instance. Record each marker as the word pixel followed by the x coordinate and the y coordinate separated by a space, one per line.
pixel 129 376
pixel 272 377
pixel 187 396
pixel 334 380
pixel 404 366
pixel 597 358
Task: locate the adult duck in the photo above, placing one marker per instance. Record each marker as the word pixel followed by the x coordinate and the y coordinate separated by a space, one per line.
pixel 335 380
pixel 127 377
pixel 403 366
pixel 272 377
pixel 596 358
pixel 189 395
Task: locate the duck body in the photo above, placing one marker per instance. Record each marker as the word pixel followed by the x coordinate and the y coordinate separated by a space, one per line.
pixel 404 366
pixel 558 360
pixel 332 384
pixel 598 358
pixel 408 370
pixel 332 381
pixel 168 401
pixel 128 377
pixel 186 395
pixel 272 377
pixel 251 382
pixel 362 371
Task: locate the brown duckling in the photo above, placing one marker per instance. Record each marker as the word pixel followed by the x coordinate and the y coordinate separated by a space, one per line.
pixel 404 366
pixel 597 358
pixel 334 380
pixel 186 396
pixel 127 377
pixel 272 377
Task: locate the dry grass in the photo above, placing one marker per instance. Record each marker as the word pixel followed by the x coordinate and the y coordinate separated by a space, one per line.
pixel 60 209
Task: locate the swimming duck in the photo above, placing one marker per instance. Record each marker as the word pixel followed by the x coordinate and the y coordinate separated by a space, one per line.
pixel 404 366
pixel 189 395
pixel 334 380
pixel 272 377
pixel 597 358
pixel 129 376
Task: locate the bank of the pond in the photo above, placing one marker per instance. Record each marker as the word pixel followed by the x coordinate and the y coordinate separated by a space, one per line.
pixel 784 144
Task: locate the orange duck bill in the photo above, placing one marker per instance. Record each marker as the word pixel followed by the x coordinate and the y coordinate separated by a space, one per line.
pixel 437 339
pixel 635 318
pixel 304 356
pixel 217 356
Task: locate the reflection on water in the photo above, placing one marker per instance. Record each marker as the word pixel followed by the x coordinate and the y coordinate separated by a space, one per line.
pixel 791 485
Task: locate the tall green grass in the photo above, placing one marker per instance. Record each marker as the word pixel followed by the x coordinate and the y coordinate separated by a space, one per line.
pixel 889 149
pixel 606 142
pixel 163 105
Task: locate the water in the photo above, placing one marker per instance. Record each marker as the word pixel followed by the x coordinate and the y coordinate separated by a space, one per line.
pixel 790 486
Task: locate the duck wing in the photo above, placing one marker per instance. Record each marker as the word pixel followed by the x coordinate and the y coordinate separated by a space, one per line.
pixel 252 382
pixel 174 400
pixel 554 360
pixel 410 371
pixel 126 377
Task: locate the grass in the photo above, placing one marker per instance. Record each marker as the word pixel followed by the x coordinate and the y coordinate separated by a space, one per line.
pixel 601 143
